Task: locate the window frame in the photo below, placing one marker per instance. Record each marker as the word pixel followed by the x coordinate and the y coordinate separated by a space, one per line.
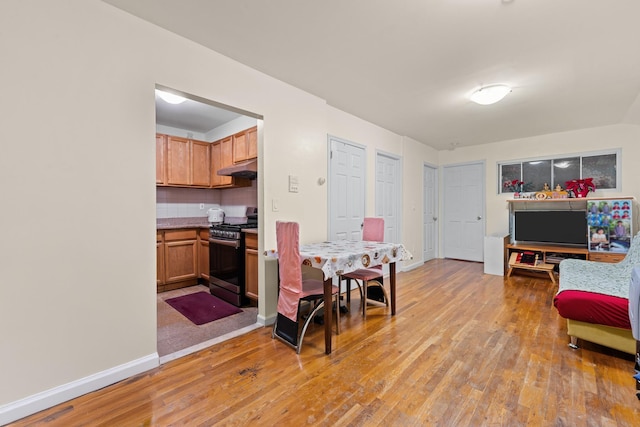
pixel 616 151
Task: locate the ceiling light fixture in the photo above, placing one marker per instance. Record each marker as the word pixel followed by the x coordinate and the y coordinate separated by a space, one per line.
pixel 490 94
pixel 170 97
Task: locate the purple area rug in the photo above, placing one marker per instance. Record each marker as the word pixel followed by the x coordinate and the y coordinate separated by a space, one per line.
pixel 202 307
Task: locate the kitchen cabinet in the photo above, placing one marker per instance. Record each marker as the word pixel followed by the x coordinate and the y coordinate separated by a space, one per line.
pixel 159 259
pixel 251 266
pixel 203 255
pixel 183 162
pixel 178 161
pixel 200 163
pixel 182 258
pixel 222 157
pixel 186 162
pixel 245 145
pixel 161 159
pixel 180 255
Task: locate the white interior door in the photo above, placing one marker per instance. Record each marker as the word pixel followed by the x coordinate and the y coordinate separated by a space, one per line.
pixel 430 213
pixel 388 191
pixel 463 217
pixel 347 189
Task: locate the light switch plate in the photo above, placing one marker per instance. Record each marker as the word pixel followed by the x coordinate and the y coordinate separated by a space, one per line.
pixel 293 183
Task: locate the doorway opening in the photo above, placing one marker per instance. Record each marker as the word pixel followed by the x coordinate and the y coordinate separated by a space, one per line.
pixel 194 139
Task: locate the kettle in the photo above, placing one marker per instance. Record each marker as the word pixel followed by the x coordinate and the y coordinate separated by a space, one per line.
pixel 216 215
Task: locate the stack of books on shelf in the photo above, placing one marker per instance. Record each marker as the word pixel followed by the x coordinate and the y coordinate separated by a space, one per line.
pixel 527 257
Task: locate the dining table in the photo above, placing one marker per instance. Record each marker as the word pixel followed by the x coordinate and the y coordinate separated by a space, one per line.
pixel 337 257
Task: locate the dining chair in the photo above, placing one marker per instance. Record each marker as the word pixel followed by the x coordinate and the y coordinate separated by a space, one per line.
pixel 372 231
pixel 296 292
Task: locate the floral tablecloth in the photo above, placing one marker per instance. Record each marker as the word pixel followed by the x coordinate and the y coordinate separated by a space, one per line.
pixel 343 256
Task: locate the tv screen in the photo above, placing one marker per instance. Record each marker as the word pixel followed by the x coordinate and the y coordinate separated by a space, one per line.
pixel 556 227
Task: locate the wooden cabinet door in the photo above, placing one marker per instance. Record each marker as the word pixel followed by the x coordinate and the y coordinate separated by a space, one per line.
pixel 251 266
pixel 239 147
pixel 203 254
pixel 252 143
pixel 215 164
pixel 180 255
pixel 161 160
pixel 159 259
pixel 200 163
pixel 245 145
pixel 178 161
pixel 221 156
pixel 251 273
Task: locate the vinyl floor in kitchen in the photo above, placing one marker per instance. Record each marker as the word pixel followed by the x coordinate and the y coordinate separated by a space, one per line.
pixel 177 334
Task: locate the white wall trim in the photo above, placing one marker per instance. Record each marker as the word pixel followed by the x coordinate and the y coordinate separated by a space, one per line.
pixel 30 405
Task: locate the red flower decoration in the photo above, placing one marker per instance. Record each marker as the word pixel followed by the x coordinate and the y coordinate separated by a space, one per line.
pixel 581 187
pixel 515 185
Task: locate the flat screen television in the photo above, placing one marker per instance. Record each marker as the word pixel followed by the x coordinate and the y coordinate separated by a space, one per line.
pixel 553 227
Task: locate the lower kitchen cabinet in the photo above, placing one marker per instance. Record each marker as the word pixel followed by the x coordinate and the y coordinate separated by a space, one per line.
pixel 182 258
pixel 159 259
pixel 251 266
pixel 203 255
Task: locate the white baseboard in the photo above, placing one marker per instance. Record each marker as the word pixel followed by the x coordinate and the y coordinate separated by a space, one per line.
pixel 30 405
pixel 266 321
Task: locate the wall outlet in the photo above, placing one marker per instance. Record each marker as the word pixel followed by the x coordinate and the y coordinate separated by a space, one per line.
pixel 201 206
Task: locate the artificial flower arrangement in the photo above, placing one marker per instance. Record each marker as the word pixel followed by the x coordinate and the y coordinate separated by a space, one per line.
pixel 515 186
pixel 581 187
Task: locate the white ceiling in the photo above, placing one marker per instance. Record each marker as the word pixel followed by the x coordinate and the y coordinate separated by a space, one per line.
pixel 192 115
pixel 410 65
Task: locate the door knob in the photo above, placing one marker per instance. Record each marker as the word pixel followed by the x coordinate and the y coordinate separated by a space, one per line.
pixel 479 218
pixel 435 218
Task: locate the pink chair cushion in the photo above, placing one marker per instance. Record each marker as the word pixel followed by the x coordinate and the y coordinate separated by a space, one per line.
pixel 373 229
pixel 292 287
pixel 289 265
pixel 315 287
pixel 365 274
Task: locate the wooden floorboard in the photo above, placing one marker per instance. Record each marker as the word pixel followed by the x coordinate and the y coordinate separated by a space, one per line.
pixel 464 349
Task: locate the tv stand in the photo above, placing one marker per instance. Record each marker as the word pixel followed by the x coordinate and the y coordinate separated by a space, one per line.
pixel 549 256
pixel 538 266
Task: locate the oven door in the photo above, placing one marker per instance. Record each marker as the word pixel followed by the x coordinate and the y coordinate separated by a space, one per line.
pixel 226 272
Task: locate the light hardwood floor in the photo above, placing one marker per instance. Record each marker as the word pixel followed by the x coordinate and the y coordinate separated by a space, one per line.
pixel 465 349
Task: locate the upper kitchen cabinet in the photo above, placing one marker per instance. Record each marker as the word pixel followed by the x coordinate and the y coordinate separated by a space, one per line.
pixel 222 157
pixel 245 145
pixel 161 159
pixel 178 161
pixel 187 162
pixel 200 163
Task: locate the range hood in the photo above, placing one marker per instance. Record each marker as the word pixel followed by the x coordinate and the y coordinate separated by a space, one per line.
pixel 248 169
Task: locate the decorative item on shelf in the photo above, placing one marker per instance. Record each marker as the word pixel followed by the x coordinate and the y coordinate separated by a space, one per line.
pixel 516 186
pixel 546 193
pixel 580 187
pixel 559 193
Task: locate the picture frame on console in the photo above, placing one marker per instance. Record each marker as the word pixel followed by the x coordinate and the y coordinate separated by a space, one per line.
pixel 614 217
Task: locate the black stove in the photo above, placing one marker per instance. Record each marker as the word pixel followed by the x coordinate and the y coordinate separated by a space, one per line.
pixel 229 231
pixel 226 257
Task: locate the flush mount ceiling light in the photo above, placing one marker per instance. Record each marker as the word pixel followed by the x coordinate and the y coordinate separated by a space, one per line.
pixel 490 94
pixel 170 98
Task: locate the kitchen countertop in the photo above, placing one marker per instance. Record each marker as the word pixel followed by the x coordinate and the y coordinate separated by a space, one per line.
pixel 175 223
